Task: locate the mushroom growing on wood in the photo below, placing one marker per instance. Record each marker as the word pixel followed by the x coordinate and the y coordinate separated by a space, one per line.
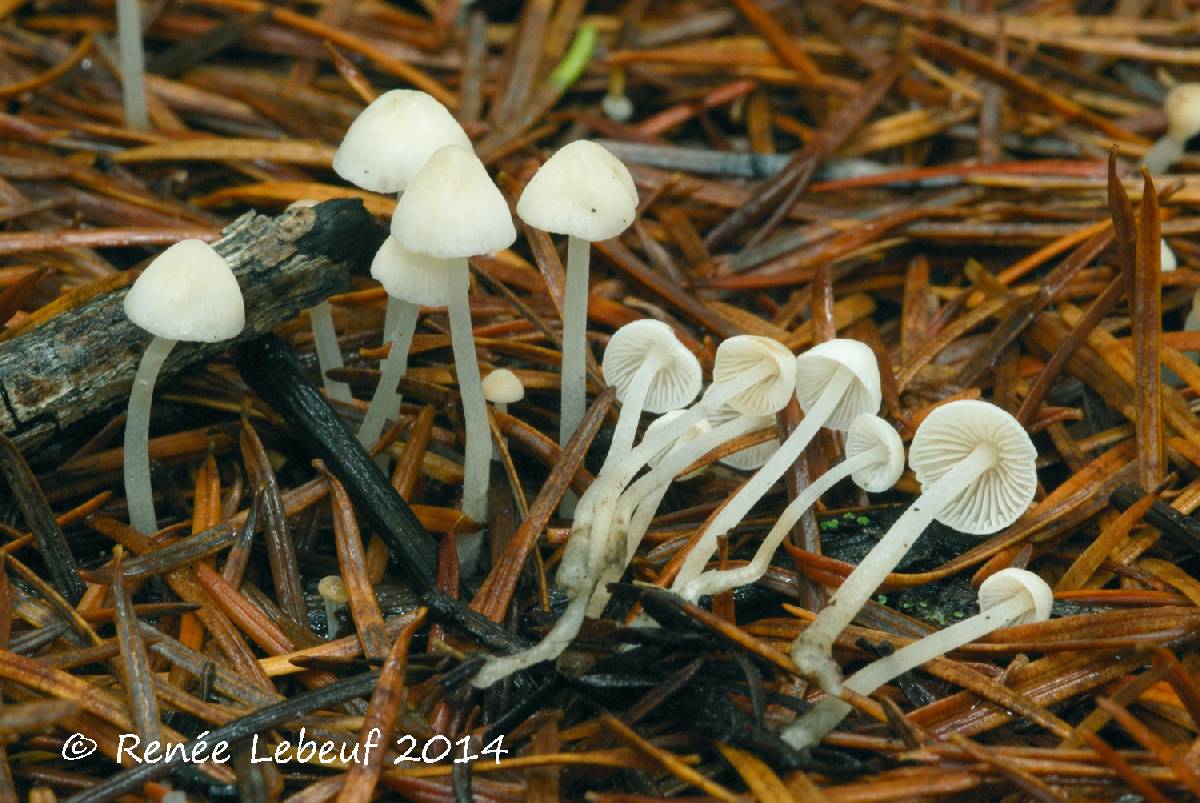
pixel 836 381
pixel 1182 107
pixel 874 461
pixel 585 192
pixel 189 293
pixel 1008 597
pixel 978 473
pixel 452 211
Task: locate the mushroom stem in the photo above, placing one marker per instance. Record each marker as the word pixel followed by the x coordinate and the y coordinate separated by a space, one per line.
pixel 825 716
pixel 478 450
pixel 385 404
pixel 550 647
pixel 133 64
pixel 758 485
pixel 1162 155
pixel 714 582
pixel 812 649
pixel 329 355
pixel 631 410
pixel 138 492
pixel 574 344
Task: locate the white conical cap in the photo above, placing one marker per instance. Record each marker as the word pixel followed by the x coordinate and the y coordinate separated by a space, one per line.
pixel 1002 493
pixel 690 434
pixel 815 367
pixel 189 293
pixel 1182 108
pixel 750 458
pixel 391 139
pixel 582 190
pixel 676 381
pixel 452 209
pixel 1008 583
pixel 502 386
pixel 868 432
pixel 741 353
pixel 412 277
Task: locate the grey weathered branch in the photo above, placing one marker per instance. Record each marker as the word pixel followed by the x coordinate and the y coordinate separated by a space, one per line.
pixel 83 361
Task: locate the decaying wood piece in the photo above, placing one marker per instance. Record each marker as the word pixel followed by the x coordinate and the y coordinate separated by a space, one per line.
pixel 83 361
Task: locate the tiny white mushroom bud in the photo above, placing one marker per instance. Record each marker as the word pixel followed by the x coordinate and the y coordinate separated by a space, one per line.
pixel 333 591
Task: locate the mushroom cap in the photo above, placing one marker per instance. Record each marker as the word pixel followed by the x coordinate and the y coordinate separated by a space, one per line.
pixel 582 190
pixel 333 589
pixel 1007 583
pixel 690 434
pixel 189 293
pixel 678 378
pixel 1167 262
pixel 1003 492
pixel 452 209
pixel 411 276
pixel 502 386
pixel 741 353
pixel 391 139
pixel 751 458
pixel 1182 107
pixel 868 432
pixel 817 366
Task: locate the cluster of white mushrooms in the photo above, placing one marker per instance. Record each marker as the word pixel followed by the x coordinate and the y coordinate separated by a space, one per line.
pixel 974 462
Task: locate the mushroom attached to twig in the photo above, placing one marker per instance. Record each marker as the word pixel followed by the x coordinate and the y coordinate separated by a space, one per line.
pixel 978 473
pixel 453 211
pixel 1008 597
pixel 189 293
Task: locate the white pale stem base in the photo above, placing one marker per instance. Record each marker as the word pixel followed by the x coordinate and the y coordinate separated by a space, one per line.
pixel 478 450
pixel 756 488
pixel 549 648
pixel 714 582
pixel 329 355
pixel 813 648
pixel 825 716
pixel 139 494
pixel 133 64
pixel 385 404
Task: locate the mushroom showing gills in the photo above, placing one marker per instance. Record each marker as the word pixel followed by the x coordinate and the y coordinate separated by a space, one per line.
pixel 411 280
pixel 383 150
pixel 189 293
pixel 874 461
pixel 1008 597
pixel 585 192
pixel 452 211
pixel 836 381
pixel 1182 107
pixel 752 457
pixel 502 387
pixel 652 371
pixel 977 470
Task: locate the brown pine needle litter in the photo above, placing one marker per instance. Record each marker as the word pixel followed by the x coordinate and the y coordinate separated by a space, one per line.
pixel 957 185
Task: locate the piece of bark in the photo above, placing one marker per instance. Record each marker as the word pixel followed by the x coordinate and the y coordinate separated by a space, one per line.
pixel 83 361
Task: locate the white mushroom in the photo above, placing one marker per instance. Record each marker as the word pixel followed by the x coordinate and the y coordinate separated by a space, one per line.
pixel 189 293
pixel 836 381
pixel 978 473
pixel 452 211
pixel 502 387
pixel 412 280
pixel 752 457
pixel 335 596
pixel 585 192
pixel 874 460
pixel 1008 597
pixel 1182 107
pixel 1167 263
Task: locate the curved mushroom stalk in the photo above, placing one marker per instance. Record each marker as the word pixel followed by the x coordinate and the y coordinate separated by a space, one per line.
pixel 385 404
pixel 874 458
pixel 1010 596
pixel 976 466
pixel 329 354
pixel 139 493
pixel 838 379
pixel 549 648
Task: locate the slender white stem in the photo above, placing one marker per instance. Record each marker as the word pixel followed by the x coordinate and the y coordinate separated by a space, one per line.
pixel 714 582
pixel 631 410
pixel 501 407
pixel 139 494
pixel 331 618
pixel 329 355
pixel 812 649
pixel 552 646
pixel 478 450
pixel 1162 154
pixel 385 404
pixel 133 64
pixel 757 486
pixel 825 716
pixel 573 401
